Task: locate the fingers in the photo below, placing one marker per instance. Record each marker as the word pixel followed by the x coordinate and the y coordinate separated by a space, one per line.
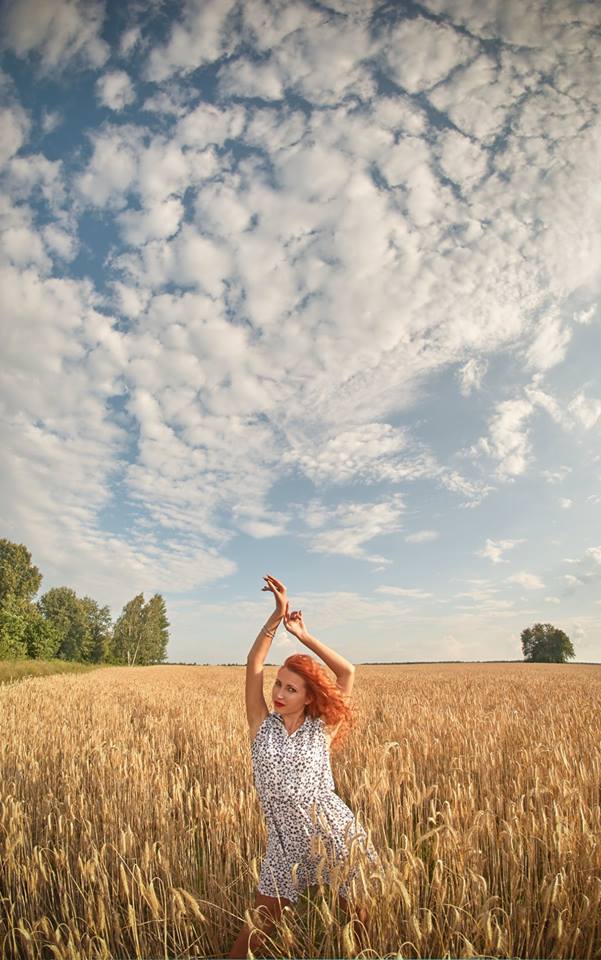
pixel 279 585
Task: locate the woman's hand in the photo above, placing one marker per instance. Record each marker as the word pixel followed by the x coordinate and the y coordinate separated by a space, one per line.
pixel 294 623
pixel 279 591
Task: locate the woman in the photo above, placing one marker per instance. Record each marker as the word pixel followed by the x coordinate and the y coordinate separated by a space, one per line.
pixel 292 772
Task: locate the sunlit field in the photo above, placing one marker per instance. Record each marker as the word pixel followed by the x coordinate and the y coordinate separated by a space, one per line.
pixel 130 825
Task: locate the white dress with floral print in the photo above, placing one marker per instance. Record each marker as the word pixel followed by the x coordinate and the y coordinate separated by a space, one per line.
pixel 293 777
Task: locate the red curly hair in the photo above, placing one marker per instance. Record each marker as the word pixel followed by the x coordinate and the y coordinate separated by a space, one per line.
pixel 328 701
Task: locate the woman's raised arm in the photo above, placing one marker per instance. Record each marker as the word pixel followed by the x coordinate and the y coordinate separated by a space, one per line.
pixel 295 625
pixel 260 648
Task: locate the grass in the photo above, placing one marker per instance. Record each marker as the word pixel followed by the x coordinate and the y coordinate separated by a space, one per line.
pixel 130 825
pixel 12 670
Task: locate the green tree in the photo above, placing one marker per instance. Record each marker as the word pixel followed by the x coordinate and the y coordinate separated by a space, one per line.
pixel 128 634
pixel 98 628
pixel 62 608
pixel 19 581
pixel 43 638
pixel 141 632
pixel 13 625
pixel 544 643
pixel 156 630
pixel 18 576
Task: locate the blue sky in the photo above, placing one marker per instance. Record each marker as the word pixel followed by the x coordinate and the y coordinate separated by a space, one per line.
pixel 308 289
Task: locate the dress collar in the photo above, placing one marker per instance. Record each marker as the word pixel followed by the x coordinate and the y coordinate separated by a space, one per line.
pixel 281 719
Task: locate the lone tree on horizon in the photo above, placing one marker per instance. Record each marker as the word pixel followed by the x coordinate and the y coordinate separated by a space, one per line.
pixel 544 643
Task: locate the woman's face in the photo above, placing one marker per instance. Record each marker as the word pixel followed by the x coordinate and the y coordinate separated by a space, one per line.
pixel 289 692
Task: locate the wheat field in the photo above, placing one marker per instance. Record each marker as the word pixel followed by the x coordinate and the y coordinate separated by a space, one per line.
pixel 130 825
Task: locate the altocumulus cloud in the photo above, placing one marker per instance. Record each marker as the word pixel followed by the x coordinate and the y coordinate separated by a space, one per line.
pixel 345 249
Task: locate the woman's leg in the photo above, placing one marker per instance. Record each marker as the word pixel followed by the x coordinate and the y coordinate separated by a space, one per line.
pixel 359 922
pixel 270 910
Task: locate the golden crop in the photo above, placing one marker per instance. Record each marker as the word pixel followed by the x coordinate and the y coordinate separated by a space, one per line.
pixel 130 825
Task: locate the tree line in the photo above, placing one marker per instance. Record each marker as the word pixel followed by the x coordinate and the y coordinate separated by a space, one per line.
pixel 67 627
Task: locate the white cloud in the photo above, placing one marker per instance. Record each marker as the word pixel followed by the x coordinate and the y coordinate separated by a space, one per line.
pixel 155 171
pixel 23 247
pixel 207 125
pixel 325 64
pixel 199 38
pixel 529 581
pixel 585 316
pixel 22 244
pixel 33 178
pixel 242 78
pixel 189 259
pixel 410 592
pixel 581 411
pixel 585 410
pixel 130 301
pixel 266 25
pixel 474 491
pixel 115 90
pixel 420 53
pixel 317 171
pixel 252 517
pixel 59 30
pixel 161 221
pixel 510 20
pixel 112 168
pixel 130 38
pixel 477 98
pixel 470 375
pixel 51 119
pixel 566 267
pixel 462 160
pixel 65 447
pixel 220 210
pixel 548 347
pixel 370 453
pixel 540 398
pixel 259 529
pixel 14 127
pixel 508 440
pixel 594 553
pixel 60 241
pixel 556 476
pixel 554 600
pixel 494 548
pixel 172 99
pixel 483 597
pixel 422 536
pixel 351 525
pixel 565 503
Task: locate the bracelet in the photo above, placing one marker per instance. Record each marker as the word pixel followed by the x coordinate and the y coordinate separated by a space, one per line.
pixel 269 633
